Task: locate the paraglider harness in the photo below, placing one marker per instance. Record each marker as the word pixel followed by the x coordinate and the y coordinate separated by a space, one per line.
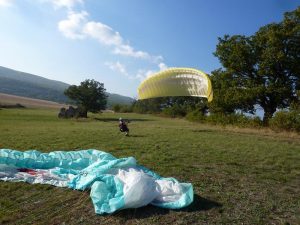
pixel 123 126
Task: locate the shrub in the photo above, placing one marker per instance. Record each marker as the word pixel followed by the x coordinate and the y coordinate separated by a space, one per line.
pixel 16 106
pixel 223 119
pixel 174 111
pixel 122 108
pixel 117 107
pixel 125 109
pixel 195 116
pixel 239 120
pixel 286 121
pixel 255 122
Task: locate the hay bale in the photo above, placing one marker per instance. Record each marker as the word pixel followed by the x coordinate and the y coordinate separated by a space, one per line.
pixel 62 113
pixel 71 112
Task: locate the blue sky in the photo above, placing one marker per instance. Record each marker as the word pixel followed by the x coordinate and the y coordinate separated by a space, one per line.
pixel 119 42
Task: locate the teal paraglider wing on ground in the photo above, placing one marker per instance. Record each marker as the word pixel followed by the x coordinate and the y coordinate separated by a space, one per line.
pixel 114 183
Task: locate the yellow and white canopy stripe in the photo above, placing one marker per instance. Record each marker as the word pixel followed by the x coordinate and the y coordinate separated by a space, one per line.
pixel 176 82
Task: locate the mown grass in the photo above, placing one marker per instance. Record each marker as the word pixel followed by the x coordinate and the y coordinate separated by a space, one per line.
pixel 239 176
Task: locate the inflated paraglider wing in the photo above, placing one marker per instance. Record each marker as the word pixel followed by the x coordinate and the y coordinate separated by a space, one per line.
pixel 176 82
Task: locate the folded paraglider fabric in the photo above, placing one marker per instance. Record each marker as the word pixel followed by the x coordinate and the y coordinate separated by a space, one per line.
pixel 114 183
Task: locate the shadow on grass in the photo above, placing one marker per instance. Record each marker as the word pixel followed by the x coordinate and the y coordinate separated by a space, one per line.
pixel 116 120
pixel 202 130
pixel 135 135
pixel 141 213
pixel 199 204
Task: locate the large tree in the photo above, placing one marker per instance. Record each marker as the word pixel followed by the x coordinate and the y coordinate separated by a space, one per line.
pixel 89 96
pixel 263 68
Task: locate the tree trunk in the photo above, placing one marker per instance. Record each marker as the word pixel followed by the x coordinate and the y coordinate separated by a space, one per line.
pixel 84 113
pixel 268 113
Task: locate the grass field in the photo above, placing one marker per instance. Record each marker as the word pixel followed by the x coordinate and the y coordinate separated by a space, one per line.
pixel 239 176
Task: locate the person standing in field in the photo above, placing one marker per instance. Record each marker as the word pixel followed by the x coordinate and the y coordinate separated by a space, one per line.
pixel 123 126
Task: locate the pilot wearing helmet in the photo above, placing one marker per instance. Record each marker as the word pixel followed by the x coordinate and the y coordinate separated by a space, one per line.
pixel 123 126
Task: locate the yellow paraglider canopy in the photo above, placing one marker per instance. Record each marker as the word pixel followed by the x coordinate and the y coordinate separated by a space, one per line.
pixel 176 82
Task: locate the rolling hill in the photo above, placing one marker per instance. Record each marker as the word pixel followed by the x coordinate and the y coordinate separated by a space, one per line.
pixel 13 101
pixel 28 85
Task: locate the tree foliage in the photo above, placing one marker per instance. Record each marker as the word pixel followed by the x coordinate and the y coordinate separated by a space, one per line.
pixel 172 106
pixel 152 105
pixel 229 94
pixel 262 69
pixel 89 95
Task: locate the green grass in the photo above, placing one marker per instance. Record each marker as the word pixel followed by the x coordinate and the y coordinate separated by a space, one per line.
pixel 239 176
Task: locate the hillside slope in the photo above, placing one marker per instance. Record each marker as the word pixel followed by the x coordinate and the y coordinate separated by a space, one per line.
pixel 28 85
pixel 13 100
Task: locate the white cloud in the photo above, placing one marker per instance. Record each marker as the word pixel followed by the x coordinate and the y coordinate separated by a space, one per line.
pixel 72 27
pixel 127 50
pixel 65 3
pixel 77 27
pixel 143 74
pixel 162 66
pixel 108 36
pixel 6 3
pixel 117 66
pixel 103 33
